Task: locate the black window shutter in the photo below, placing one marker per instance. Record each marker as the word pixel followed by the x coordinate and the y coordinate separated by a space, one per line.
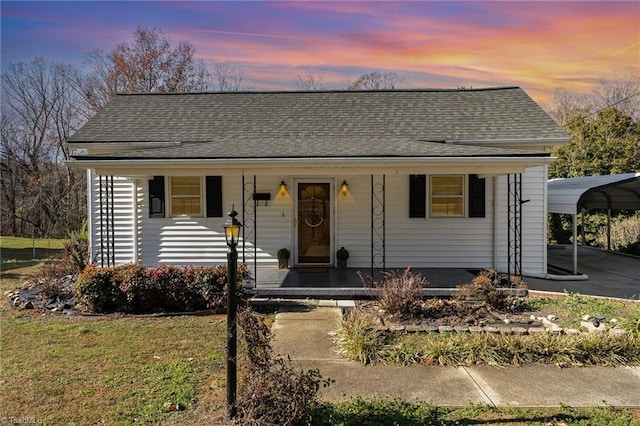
pixel 214 196
pixel 156 196
pixel 417 195
pixel 476 196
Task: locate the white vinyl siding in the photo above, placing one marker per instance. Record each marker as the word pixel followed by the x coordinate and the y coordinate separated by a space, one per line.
pixel 124 221
pixel 534 225
pixel 443 242
pixel 449 242
pixel 200 240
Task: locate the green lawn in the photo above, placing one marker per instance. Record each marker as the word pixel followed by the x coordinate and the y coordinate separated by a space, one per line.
pixel 18 252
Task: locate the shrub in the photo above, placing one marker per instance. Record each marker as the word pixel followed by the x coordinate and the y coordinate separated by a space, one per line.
pixel 134 288
pixel 71 261
pixel 400 294
pixel 139 294
pixel 174 288
pixel 484 287
pixel 358 338
pixel 49 280
pixel 273 392
pixel 76 249
pixel 98 291
pixel 625 234
pixel 213 281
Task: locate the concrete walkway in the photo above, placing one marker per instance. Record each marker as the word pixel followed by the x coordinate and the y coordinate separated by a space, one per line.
pixel 305 333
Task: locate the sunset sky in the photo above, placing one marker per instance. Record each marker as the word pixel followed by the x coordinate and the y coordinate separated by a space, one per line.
pixel 539 46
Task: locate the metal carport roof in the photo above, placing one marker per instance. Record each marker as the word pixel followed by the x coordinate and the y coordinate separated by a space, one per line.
pixel 615 192
pixel 607 192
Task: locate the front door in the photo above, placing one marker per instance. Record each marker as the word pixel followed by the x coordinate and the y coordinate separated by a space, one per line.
pixel 314 223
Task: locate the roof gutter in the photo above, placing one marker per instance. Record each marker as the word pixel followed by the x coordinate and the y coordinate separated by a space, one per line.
pixel 306 162
pixel 515 142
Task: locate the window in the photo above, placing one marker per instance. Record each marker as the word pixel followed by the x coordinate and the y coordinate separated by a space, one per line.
pixel 447 195
pixel 185 195
pixel 417 196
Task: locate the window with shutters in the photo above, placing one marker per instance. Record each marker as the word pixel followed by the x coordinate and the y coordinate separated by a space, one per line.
pixel 186 195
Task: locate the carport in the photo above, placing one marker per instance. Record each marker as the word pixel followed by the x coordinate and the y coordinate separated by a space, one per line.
pixel 608 192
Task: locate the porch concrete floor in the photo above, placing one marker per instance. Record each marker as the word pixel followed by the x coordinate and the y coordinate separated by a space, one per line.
pixel 322 283
pixel 610 275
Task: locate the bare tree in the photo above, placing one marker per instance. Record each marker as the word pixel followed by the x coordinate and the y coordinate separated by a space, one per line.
pixel 619 90
pixel 376 81
pixel 309 80
pixel 40 110
pixel 149 64
pixel 226 77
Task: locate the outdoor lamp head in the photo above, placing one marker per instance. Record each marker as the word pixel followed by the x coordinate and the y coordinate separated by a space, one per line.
pixel 232 229
pixel 344 189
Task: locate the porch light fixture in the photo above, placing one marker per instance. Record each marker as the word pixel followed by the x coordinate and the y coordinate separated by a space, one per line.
pixel 232 234
pixel 283 188
pixel 344 189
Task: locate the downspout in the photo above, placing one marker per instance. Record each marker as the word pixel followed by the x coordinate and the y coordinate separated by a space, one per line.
pixel 135 220
pixel 90 229
pixel 609 229
pixel 495 223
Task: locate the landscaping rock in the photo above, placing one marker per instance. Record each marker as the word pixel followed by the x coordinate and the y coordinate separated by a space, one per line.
pixel 592 328
pixel 586 317
pixel 491 329
pixel 520 331
pixel 430 328
pixel 617 331
pixel 571 331
pixel 476 329
pixel 29 297
pixel 537 330
pixel 445 329
pixel 461 329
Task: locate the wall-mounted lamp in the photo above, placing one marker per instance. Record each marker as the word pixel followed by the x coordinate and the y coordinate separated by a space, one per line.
pixel 283 188
pixel 344 189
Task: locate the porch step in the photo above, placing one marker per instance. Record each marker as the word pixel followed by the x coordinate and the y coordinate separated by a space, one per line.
pixel 345 292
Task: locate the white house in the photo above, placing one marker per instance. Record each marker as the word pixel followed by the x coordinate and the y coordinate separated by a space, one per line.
pixel 421 178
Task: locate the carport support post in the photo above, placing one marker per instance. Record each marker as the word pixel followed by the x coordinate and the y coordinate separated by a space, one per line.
pixel 575 244
pixel 608 229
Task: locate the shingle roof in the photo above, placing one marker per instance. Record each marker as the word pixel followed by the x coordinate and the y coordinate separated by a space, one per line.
pixel 318 124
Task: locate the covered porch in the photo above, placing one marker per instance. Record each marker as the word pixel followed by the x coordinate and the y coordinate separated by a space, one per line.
pixel 336 283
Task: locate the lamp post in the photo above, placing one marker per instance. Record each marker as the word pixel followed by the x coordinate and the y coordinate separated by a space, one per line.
pixel 232 233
